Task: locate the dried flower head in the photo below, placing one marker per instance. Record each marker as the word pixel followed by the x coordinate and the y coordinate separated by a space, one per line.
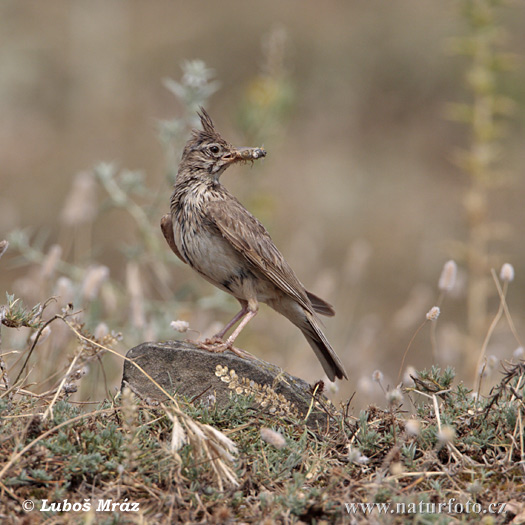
pixel 446 434
pixel 101 331
pixel 447 280
pixel 69 388
pixel 433 313
pixel 394 397
pixel 180 326
pixel 355 456
pixel 507 273
pixel 413 427
pixel 396 468
pixel 378 376
pixel 410 372
pixel 273 438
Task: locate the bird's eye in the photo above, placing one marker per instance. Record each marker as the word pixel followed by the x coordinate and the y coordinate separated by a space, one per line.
pixel 214 149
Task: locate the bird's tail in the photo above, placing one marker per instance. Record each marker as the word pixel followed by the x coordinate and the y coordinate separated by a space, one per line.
pixel 332 365
pixel 310 326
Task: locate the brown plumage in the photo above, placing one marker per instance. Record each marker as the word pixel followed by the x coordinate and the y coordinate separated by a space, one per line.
pixel 209 229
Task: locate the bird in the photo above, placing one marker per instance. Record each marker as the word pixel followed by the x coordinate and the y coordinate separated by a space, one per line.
pixel 211 231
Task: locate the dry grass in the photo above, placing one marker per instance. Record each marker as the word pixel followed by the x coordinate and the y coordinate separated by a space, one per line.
pixel 435 442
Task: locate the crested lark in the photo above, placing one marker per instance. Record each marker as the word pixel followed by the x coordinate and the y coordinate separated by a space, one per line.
pixel 209 229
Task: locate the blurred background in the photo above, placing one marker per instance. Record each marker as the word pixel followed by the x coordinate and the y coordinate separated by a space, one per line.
pixel 364 108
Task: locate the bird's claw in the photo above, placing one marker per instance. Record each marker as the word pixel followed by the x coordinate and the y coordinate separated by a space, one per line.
pixel 217 345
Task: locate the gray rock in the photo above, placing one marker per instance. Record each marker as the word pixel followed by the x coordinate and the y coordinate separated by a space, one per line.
pixel 183 368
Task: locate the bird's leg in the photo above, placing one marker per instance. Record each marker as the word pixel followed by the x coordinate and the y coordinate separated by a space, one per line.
pixel 249 311
pixel 244 310
pixel 247 318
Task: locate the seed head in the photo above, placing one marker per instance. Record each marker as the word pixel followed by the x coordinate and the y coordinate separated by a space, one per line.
pixel 273 438
pixel 355 456
pixel 394 397
pixel 507 273
pixel 433 313
pixel 413 427
pixel 447 280
pixel 446 434
pixel 410 372
pixel 101 331
pixel 377 376
pixel 180 326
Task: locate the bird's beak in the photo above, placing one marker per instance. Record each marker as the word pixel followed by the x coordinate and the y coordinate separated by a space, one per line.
pixel 244 154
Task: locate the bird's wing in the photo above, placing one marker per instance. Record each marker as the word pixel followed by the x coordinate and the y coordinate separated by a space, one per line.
pixel 250 238
pixel 166 225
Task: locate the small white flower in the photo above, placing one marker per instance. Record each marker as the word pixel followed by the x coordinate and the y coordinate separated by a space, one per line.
pixel 433 313
pixel 377 376
pixel 446 434
pixel 394 397
pixel 180 326
pixel 507 273
pixel 273 438
pixel 519 352
pixel 101 331
pixel 355 456
pixel 410 372
pixel 413 427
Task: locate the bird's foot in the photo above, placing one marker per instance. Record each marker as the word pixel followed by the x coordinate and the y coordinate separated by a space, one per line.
pixel 217 345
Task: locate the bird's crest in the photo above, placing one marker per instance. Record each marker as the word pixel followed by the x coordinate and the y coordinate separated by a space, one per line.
pixel 208 132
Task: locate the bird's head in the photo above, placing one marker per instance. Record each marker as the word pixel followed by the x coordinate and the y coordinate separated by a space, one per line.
pixel 209 153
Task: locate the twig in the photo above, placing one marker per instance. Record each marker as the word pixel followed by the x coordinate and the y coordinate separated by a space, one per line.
pixel 35 342
pixel 49 410
pixel 408 348
pixel 495 321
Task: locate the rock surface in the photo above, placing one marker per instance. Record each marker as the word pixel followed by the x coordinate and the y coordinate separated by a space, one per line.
pixel 185 369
